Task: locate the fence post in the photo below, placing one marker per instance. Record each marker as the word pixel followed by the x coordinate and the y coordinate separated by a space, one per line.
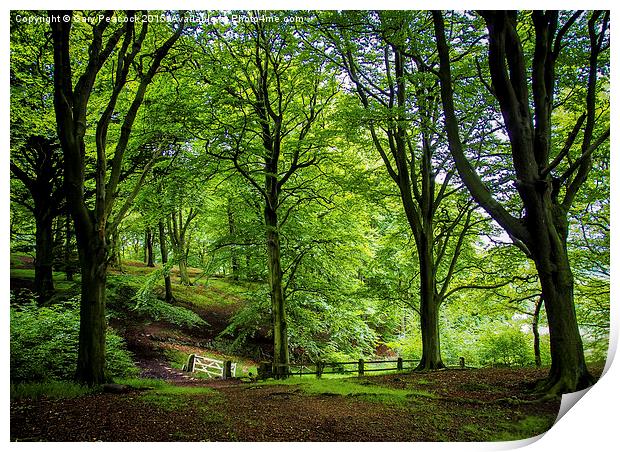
pixel 227 370
pixel 319 368
pixel 190 363
pixel 360 367
pixel 399 364
pixel 462 362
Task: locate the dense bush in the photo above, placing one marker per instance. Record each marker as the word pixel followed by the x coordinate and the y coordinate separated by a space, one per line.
pixel 44 344
pixel 506 347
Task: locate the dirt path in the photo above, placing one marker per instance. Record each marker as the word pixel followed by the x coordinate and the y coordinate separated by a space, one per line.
pixel 161 369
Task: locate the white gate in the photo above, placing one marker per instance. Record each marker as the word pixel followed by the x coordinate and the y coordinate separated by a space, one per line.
pixel 214 368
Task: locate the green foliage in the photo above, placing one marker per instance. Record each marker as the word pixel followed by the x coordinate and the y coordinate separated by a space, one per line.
pixel 124 297
pixel 44 344
pixel 348 254
pixel 142 383
pixel 506 347
pixel 159 310
pixel 249 321
pixel 407 347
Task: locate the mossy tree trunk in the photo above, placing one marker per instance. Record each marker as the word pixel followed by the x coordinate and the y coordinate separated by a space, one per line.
pixel 93 221
pixel 546 184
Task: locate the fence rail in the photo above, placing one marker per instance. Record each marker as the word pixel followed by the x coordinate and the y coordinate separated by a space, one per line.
pixel 268 369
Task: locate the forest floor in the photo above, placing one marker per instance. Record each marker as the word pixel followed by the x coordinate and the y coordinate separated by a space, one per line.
pixel 491 404
pixel 450 405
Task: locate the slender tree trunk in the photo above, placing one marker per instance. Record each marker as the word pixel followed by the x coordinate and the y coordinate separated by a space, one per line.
pixel 280 333
pixel 43 277
pixel 145 245
pixel 537 359
pixel 234 258
pixel 176 230
pixel 67 256
pixel 149 247
pixel 115 253
pixel 248 265
pixel 164 261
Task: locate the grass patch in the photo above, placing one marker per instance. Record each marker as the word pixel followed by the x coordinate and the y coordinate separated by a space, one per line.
pixel 238 288
pixel 205 297
pixel 28 273
pixel 49 389
pixel 527 427
pixel 363 388
pixel 61 285
pixel 19 258
pixel 176 358
pixel 201 400
pixel 141 383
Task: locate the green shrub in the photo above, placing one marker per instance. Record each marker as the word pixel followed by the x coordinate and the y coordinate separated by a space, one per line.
pixel 44 344
pixel 159 310
pixel 124 298
pixel 508 346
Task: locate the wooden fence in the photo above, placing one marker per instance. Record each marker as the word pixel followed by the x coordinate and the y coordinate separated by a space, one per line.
pixel 214 368
pixel 360 367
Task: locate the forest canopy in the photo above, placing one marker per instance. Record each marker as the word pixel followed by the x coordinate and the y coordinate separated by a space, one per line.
pixel 423 184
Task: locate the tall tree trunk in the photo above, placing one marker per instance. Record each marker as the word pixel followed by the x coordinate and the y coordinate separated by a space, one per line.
pixel 149 247
pixel 43 277
pixel 278 311
pixel 91 351
pixel 535 319
pixel 568 367
pixel 543 229
pixel 115 251
pixel 177 230
pixel 429 309
pixel 164 261
pixel 71 106
pixel 182 260
pixel 67 256
pixel 234 257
